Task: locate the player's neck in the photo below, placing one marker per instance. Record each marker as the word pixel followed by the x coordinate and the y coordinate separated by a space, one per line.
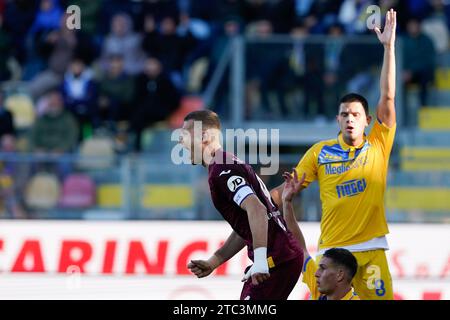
pixel 213 149
pixel 339 293
pixel 353 143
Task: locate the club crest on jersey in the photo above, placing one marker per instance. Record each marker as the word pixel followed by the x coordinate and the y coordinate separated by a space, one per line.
pixel 235 182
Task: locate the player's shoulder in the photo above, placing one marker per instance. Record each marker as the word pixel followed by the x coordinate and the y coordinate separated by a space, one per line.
pixel 231 166
pixel 229 177
pixel 217 171
pixel 316 148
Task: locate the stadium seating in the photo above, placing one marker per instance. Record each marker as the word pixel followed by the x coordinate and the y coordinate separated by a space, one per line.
pixel 425 158
pixel 442 79
pixel 434 119
pixel 109 196
pixel 167 196
pixel 42 191
pixel 78 191
pixel 96 153
pixel 170 196
pixel 418 198
pixel 21 106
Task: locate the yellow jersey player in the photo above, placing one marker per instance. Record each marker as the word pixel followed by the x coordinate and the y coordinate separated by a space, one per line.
pixel 351 171
pixel 332 278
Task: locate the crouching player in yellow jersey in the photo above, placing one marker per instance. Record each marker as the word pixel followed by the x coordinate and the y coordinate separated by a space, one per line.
pixel 332 278
pixel 351 171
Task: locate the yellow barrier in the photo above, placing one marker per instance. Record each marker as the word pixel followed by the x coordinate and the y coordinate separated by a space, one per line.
pixel 167 196
pixel 109 195
pixel 418 198
pixel 434 118
pixel 425 159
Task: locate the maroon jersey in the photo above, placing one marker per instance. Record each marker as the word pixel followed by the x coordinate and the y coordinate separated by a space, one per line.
pixel 231 181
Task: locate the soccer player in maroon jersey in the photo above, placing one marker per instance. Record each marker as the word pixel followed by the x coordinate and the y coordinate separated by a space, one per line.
pixel 245 203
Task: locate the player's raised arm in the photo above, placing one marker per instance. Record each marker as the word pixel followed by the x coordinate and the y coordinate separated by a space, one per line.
pixel 293 186
pixel 386 104
pixel 257 218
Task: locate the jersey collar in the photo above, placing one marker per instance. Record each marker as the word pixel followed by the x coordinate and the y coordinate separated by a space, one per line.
pixel 350 295
pixel 347 147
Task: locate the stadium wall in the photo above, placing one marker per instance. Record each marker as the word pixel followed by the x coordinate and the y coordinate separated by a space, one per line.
pixel 147 260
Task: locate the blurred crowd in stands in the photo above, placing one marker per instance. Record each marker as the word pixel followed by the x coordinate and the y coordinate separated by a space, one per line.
pixel 133 64
pixel 131 60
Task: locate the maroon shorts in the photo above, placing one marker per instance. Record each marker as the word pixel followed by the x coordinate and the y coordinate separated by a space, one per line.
pixel 283 279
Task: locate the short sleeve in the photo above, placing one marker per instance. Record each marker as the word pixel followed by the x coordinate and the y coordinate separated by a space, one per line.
pixel 309 270
pixel 382 137
pixel 233 184
pixel 308 164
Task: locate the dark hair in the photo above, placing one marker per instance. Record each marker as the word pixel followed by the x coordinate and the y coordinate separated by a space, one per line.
pixel 354 97
pixel 209 118
pixel 344 258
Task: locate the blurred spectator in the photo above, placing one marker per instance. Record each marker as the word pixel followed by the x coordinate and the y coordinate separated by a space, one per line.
pixel 58 48
pixel 303 8
pixel 447 13
pixel 166 44
pixel 18 18
pixel 90 12
pixel 280 14
pixel 224 9
pixel 419 59
pixel 266 65
pixel 199 9
pixel 256 10
pixel 157 98
pixel 48 17
pixel 359 63
pixel 353 14
pixel 317 15
pixel 229 29
pixel 435 26
pixel 308 63
pixel 116 92
pixel 47 20
pixel 199 32
pixel 123 40
pixel 333 87
pixel 5 51
pixel 417 9
pixel 159 9
pixel 80 94
pixel 6 120
pixel 56 131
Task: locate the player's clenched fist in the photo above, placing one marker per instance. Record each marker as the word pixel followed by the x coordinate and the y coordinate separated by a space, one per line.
pixel 203 268
pixel 200 268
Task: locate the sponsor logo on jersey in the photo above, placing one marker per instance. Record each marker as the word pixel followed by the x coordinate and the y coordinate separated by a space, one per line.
pixel 224 172
pixel 340 168
pixel 351 188
pixel 235 182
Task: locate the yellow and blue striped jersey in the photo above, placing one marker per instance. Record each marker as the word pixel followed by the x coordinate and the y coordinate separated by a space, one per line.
pixel 309 270
pixel 352 183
